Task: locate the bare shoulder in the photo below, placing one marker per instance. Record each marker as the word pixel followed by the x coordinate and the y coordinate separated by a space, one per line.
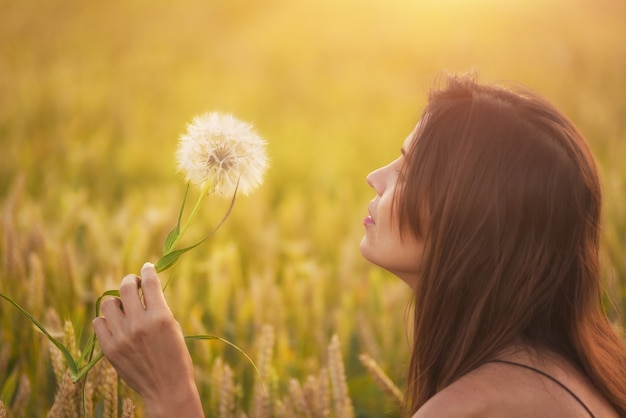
pixel 497 390
pixel 470 396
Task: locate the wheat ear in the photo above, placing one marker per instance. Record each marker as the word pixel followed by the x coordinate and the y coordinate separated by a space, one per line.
pixel 12 262
pixel 260 406
pixel 110 392
pixel 128 409
pixel 65 405
pixel 367 337
pixel 299 401
pixel 381 378
pixel 227 393
pixel 336 371
pixel 322 398
pixel 21 397
pixel 37 285
pixel 5 356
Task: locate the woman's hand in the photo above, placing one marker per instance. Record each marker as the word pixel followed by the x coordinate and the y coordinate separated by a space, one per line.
pixel 145 345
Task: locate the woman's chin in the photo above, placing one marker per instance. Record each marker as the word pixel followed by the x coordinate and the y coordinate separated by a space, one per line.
pixel 365 249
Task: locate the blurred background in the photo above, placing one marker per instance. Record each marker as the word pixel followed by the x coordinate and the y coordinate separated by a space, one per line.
pixel 93 97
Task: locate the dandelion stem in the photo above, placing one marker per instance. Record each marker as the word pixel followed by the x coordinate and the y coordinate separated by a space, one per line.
pixel 203 193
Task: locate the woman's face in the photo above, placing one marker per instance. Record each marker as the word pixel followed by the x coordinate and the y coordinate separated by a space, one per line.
pixel 381 244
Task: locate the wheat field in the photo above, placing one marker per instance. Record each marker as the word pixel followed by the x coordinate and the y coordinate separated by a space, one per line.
pixel 93 97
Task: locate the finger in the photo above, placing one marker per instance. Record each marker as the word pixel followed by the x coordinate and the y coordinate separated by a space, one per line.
pixel 100 327
pixel 111 309
pixel 130 295
pixel 151 286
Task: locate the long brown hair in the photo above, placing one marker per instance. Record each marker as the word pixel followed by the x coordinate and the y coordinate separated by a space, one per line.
pixel 512 199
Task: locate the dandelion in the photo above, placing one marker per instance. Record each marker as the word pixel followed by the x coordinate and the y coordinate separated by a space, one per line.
pixel 221 153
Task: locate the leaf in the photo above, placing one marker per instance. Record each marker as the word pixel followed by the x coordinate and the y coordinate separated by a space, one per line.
pixel 9 386
pixel 71 364
pixel 115 293
pixel 87 352
pixel 169 259
pixel 86 368
pixel 213 337
pixel 171 239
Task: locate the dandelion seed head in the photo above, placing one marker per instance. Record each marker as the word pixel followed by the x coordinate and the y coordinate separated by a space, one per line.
pixel 223 150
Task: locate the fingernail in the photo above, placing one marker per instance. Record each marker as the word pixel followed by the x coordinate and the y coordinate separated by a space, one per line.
pixel 148 265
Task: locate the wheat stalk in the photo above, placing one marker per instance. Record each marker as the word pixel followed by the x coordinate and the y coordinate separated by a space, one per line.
pixel 12 262
pixel 65 405
pixel 68 400
pixel 110 392
pixel 21 397
pixel 316 395
pixel 279 409
pixel 336 371
pixel 366 336
pixel 260 406
pixel 5 356
pixel 298 399
pixel 53 324
pixel 323 394
pixel 382 380
pixel 309 390
pixel 227 393
pixel 58 362
pixel 69 336
pixel 36 279
pixel 88 399
pixel 284 409
pixel 71 265
pixel 215 381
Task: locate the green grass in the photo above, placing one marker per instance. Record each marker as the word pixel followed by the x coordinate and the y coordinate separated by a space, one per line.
pixel 94 96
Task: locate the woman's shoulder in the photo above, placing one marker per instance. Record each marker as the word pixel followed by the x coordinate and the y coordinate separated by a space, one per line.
pixel 507 389
pixel 473 395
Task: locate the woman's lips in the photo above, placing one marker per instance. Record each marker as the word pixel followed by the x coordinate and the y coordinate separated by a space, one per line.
pixel 369 220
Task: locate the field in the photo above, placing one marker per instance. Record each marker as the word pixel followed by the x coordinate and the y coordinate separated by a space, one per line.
pixel 93 97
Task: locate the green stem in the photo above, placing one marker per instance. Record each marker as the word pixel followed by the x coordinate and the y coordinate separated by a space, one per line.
pixel 203 193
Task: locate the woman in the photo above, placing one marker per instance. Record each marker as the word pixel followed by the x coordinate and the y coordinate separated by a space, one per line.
pixel 491 215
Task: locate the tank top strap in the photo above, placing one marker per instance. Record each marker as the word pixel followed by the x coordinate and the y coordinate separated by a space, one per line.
pixel 568 390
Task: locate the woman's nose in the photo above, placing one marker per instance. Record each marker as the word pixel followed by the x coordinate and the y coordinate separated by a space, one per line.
pixel 374 179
